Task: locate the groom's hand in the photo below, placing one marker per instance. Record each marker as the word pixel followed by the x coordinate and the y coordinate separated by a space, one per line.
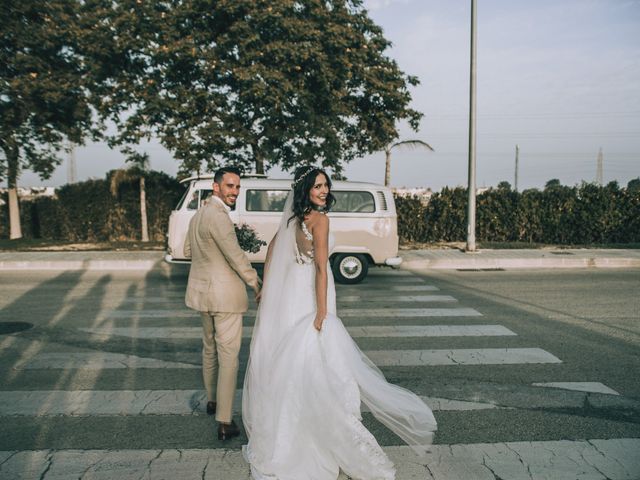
pixel 258 295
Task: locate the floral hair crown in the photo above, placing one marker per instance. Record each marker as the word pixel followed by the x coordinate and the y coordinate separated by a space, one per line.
pixel 297 181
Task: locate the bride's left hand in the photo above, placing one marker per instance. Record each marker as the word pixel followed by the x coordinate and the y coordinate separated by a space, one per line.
pixel 317 323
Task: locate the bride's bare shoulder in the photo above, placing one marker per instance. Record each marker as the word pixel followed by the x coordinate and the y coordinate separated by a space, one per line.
pixel 318 223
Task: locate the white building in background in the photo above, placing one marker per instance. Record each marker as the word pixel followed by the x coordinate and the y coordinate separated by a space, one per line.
pixel 28 193
pixel 424 194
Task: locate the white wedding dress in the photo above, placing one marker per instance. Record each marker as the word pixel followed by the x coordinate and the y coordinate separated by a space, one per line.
pixel 303 388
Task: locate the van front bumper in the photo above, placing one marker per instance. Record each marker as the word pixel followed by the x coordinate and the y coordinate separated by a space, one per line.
pixel 169 259
pixel 393 261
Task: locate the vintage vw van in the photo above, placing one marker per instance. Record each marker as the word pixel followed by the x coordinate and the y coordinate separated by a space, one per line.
pixel 363 221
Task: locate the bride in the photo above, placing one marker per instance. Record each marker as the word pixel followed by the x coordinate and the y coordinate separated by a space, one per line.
pixel 306 377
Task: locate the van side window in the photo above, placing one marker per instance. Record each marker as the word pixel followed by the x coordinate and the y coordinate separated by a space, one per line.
pixel 182 200
pixel 360 202
pixel 198 198
pixel 193 201
pixel 204 196
pixel 266 200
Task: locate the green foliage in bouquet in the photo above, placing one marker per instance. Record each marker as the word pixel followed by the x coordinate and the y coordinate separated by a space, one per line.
pixel 248 238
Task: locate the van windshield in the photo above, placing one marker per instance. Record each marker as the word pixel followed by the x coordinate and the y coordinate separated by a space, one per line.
pixel 266 200
pixel 356 202
pixel 182 199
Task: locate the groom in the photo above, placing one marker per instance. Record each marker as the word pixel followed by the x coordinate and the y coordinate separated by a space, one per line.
pixel 216 288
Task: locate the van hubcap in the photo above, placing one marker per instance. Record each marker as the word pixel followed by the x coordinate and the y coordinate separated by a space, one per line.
pixel 350 267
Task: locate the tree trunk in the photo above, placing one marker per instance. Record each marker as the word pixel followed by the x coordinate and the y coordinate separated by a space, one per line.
pixel 259 165
pixel 143 211
pixel 15 230
pixel 387 168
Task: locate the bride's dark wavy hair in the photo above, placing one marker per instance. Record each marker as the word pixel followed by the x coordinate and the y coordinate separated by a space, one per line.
pixel 304 179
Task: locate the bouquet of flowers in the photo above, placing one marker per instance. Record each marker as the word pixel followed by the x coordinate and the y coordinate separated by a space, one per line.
pixel 248 238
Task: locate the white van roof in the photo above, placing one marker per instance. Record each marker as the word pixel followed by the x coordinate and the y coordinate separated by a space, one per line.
pixel 261 181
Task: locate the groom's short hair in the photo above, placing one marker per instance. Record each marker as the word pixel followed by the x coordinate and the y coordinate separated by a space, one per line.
pixel 217 177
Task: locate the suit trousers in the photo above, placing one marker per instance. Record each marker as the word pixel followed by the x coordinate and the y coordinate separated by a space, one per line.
pixel 221 339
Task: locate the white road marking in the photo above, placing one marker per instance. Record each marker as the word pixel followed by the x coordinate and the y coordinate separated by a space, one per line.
pixel 95 361
pixel 396 298
pixel 383 358
pixel 147 402
pixel 558 460
pixel 385 288
pixel 354 331
pixel 408 312
pixel 342 312
pixel 480 356
pixel 591 387
pixel 178 296
pixel 388 272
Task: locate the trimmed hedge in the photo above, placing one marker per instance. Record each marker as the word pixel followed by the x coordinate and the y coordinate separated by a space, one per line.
pixel 581 215
pixel 88 212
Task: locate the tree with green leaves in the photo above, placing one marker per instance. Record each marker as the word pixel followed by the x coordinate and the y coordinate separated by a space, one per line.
pixel 634 185
pixel 256 83
pixel 553 183
pixel 43 97
pixel 402 144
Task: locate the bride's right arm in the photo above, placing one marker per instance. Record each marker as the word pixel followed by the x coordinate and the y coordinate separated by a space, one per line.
pixel 320 232
pixel 269 253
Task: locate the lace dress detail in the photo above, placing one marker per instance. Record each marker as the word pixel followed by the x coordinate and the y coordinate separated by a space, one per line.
pixel 304 245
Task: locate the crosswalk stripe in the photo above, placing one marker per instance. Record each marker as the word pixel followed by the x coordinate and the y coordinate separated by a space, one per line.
pixel 354 331
pixel 397 298
pixel 94 361
pixel 408 312
pixel 147 402
pixel 382 358
pixel 597 459
pixel 407 279
pixel 177 295
pixel 387 272
pixel 480 356
pixel 342 312
pixel 592 387
pixel 179 302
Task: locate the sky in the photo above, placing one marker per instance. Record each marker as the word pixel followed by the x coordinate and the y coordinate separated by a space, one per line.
pixel 558 78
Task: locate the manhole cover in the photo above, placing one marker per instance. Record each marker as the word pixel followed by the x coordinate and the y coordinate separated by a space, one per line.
pixel 14 327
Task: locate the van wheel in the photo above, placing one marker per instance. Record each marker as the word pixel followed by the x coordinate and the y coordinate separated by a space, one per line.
pixel 350 268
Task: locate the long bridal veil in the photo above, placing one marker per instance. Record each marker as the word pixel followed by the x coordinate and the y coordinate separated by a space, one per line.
pixel 303 389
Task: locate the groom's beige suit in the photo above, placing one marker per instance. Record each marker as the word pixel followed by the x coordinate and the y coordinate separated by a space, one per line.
pixel 216 288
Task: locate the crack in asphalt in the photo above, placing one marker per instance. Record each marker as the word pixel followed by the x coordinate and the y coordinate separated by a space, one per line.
pixel 204 470
pixel 13 454
pixel 153 400
pixel 608 457
pixel 149 464
pixel 524 464
pixel 49 461
pixel 484 464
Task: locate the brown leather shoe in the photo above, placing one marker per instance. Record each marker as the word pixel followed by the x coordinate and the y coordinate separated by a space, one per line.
pixel 227 430
pixel 211 408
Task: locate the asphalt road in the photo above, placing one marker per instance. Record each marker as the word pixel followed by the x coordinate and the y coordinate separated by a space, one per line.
pixel 587 320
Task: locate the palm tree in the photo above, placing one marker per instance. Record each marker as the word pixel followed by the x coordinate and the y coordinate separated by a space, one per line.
pixel 136 171
pixel 404 143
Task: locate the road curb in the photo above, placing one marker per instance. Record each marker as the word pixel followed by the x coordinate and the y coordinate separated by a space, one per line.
pixel 412 260
pixel 130 265
pixel 519 263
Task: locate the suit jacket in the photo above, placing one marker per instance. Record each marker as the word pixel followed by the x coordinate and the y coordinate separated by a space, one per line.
pixel 219 267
